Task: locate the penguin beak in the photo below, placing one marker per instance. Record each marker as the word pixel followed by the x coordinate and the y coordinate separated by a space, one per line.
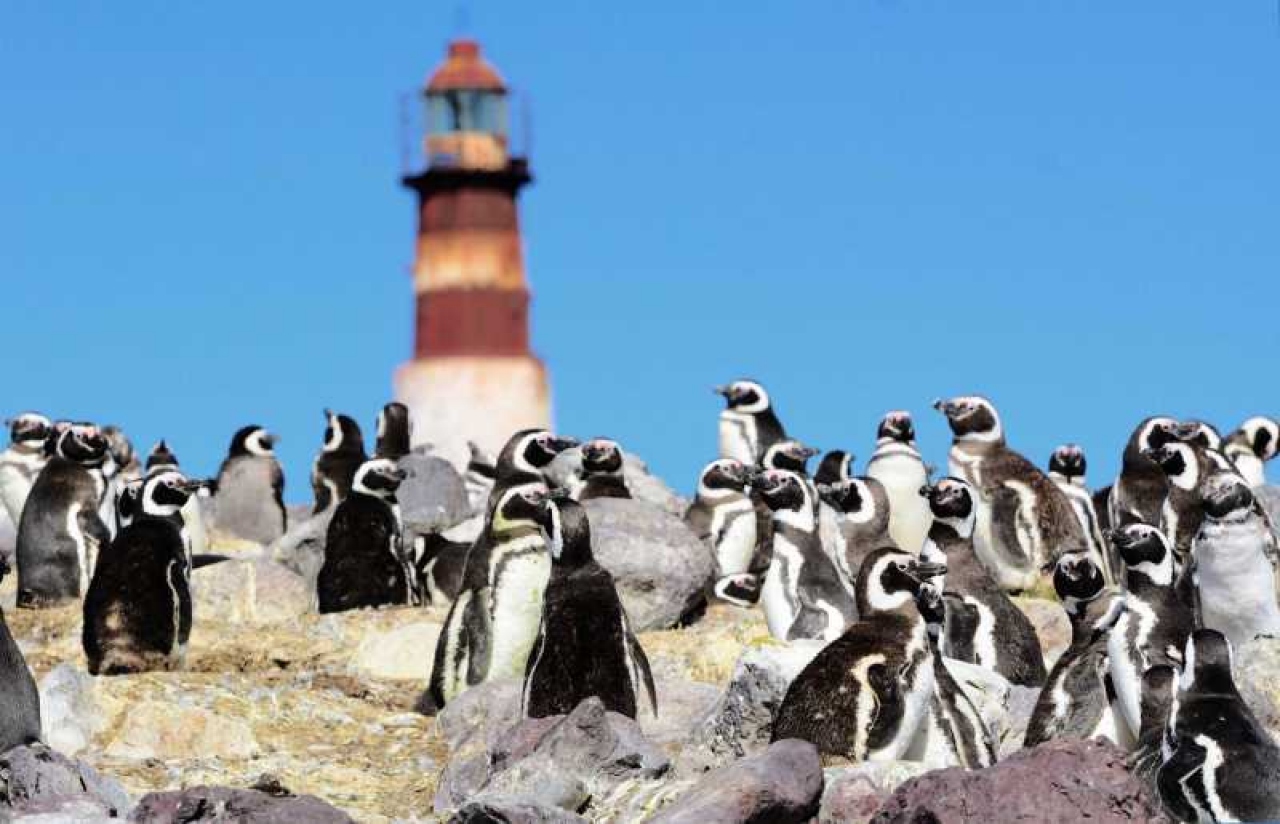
pixel 194 485
pixel 924 571
pixel 561 443
pixel 271 439
pixel 926 491
pixel 809 451
pixel 721 390
pixel 940 405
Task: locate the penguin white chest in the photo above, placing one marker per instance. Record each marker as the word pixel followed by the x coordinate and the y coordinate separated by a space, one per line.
pixel 733 528
pixel 518 578
pixel 738 437
pixel 902 475
pixel 780 595
pixel 1236 580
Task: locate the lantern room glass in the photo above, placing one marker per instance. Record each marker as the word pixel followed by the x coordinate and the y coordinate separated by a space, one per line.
pixel 460 111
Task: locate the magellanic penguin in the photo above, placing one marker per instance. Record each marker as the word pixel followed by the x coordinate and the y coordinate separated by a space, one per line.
pixel 601 475
pixel 803 595
pixel 120 468
pixel 1159 690
pixel 585 645
pixel 1220 763
pixel 865 694
pixel 897 465
pixel 1255 442
pixel 250 488
pixel 953 733
pixel 1138 493
pixel 792 456
pixel 479 477
pixel 365 564
pixel 748 424
pixel 1077 698
pixel 493 622
pixel 861 511
pixel 1156 620
pixel 835 466
pixel 723 516
pixel 195 535
pixel 1201 434
pixel 19 697
pixel 1024 522
pixel 1188 469
pixel 395 432
pixel 983 626
pixel 1067 467
pixel 137 612
pixel 339 458
pixel 1233 576
pixel 22 461
pixel 61 531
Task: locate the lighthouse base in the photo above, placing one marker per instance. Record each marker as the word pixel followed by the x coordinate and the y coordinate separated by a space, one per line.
pixel 484 399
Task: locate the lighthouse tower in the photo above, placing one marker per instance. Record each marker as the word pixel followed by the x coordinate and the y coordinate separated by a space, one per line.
pixel 473 376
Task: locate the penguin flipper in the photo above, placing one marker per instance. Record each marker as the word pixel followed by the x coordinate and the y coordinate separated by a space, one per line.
pixel 641 673
pixel 1006 516
pixel 1181 777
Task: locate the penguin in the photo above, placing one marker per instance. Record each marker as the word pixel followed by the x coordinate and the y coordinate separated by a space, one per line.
pixel 1187 467
pixel 864 695
pixel 250 488
pixel 835 466
pixel 19 697
pixel 493 622
pixel 1067 466
pixel 439 563
pixel 1220 763
pixel 340 456
pixel 1233 577
pixel 983 626
pixel 788 454
pixel 128 503
pixel 61 529
pixel 137 612
pixel 22 461
pixel 585 646
pixel 953 733
pixel 723 516
pixel 803 595
pixel 1077 698
pixel 1159 689
pixel 479 477
pixel 862 513
pixel 365 564
pixel 1156 620
pixel 194 533
pixel 897 465
pixel 601 475
pixel 1024 522
pixel 56 431
pixel 748 424
pixel 1200 434
pixel 1255 442
pixel 161 456
pixel 1138 493
pixel 395 430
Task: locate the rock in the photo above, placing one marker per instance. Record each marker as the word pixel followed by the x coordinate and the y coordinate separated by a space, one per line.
pixel 65 811
pixel 1257 676
pixel 400 654
pixel 489 708
pixel 1059 781
pixel 301 548
pixel 682 705
pixel 506 810
pixel 1051 624
pixel 156 729
pixel 249 591
pixel 40 780
pixel 1021 704
pixel 741 722
pixel 1269 495
pixel 854 793
pixel 433 496
pixel 658 565
pixel 225 804
pixel 781 785
pixel 70 711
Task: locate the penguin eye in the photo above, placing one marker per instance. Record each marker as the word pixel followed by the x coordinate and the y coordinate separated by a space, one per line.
pixel 902 567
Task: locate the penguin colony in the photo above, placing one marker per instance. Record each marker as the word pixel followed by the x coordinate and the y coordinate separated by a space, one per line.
pixel 895 574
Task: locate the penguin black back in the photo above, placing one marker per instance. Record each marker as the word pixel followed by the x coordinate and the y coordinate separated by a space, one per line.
pixel 364 562
pixel 394 432
pixel 339 458
pixel 19 698
pixel 835 466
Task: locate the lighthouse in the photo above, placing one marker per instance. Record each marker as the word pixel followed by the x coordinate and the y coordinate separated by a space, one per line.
pixel 473 375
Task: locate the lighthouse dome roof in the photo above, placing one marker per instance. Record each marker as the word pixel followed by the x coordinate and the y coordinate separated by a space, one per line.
pixel 464 69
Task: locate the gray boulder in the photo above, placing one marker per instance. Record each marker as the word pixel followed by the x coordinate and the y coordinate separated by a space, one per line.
pixel 659 566
pixel 36 779
pixel 196 805
pixel 1257 676
pixel 70 711
pixel 855 792
pixel 1020 705
pixel 65 811
pixel 301 548
pixel 433 496
pixel 473 725
pixel 782 785
pixel 507 810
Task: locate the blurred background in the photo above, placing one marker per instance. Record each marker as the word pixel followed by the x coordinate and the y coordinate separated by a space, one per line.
pixel 1068 207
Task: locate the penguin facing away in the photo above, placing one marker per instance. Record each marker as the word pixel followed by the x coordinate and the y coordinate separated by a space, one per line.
pixel 161 456
pixel 835 466
pixel 1250 446
pixel 137 612
pixel 250 488
pixel 900 469
pixel 585 646
pixel 601 474
pixel 339 458
pixel 1067 466
pixel 723 516
pixel 395 430
pixel 22 461
pixel 365 564
pixel 748 423
pixel 19 697
pixel 1220 763
pixel 864 696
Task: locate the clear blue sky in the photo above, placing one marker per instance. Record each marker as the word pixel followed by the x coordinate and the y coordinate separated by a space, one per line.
pixel 1071 207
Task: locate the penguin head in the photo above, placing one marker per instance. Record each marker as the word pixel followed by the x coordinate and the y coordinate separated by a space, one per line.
pixel 722 478
pixel 83 443
pixel 164 493
pixel 127 502
pixel 529 451
pixel 395 431
pixel 1077 578
pixel 889 579
pixel 119 447
pixel 896 426
pixel 1259 435
pixel 952 502
pixel 161 456
pixel 1067 461
pixel 1206 663
pixel 1227 496
pixel 1144 549
pixel 519 507
pixel 601 456
pixel 860 500
pixel 342 434
pixel 788 454
pixel 567 530
pixel 781 490
pixel 56 431
pixel 836 465
pixel 380 477
pixel 252 441
pixel 1153 432
pixel 1179 462
pixel 744 395
pixel 29 430
pixel 972 418
pixel 1199 433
